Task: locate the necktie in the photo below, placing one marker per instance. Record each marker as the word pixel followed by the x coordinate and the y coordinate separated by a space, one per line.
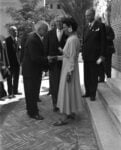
pixel 90 25
pixel 59 35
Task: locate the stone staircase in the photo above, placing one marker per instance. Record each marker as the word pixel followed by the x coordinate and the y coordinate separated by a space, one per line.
pixel 105 114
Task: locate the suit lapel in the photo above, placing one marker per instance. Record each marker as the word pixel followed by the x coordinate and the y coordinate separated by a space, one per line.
pixel 56 36
pixel 37 37
pixel 88 32
pixel 62 37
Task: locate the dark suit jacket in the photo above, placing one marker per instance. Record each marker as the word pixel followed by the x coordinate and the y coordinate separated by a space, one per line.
pixel 12 52
pixel 94 42
pixel 110 35
pixel 52 43
pixel 3 56
pixel 33 60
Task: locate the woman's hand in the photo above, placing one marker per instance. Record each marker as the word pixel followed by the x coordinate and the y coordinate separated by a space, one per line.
pixel 60 57
pixel 69 76
pixel 100 60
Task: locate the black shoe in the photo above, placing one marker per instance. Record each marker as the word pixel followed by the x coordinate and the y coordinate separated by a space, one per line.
pixel 37 117
pixel 39 100
pixel 55 109
pixel 101 81
pixel 11 96
pixel 92 98
pixel 48 93
pixel 17 93
pixel 2 99
pixel 86 95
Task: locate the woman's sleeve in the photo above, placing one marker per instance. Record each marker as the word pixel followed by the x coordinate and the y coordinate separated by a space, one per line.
pixel 71 54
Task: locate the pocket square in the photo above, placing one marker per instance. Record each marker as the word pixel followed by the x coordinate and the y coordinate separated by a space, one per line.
pixel 97 29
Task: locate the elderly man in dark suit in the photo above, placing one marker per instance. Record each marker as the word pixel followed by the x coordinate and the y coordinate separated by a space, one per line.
pixel 32 67
pixel 110 49
pixel 12 51
pixel 93 53
pixel 55 39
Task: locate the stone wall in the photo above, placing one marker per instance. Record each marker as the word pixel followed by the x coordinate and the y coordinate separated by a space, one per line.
pixel 116 24
pixel 5 18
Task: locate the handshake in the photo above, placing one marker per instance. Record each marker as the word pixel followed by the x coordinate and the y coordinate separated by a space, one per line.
pixel 54 58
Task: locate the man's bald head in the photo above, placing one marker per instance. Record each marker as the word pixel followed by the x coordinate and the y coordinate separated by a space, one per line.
pixel 13 31
pixel 41 28
pixel 90 15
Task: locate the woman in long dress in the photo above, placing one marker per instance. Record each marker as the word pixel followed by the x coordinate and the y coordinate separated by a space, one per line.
pixel 1 61
pixel 69 95
pixel 2 89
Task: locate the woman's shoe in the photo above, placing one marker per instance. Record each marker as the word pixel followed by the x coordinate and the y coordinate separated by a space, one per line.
pixel 71 116
pixel 11 96
pixel 61 122
pixel 55 109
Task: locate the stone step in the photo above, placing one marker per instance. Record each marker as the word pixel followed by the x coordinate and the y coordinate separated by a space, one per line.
pixel 115 85
pixel 112 103
pixel 108 138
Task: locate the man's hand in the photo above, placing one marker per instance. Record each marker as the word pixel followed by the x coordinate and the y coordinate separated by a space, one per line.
pixel 69 76
pixel 51 58
pixel 60 49
pixel 99 60
pixel 3 67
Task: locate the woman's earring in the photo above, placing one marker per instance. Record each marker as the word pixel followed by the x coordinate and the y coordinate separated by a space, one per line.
pixel 69 30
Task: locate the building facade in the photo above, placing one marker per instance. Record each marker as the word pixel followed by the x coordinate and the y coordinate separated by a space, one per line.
pixel 116 24
pixel 53 6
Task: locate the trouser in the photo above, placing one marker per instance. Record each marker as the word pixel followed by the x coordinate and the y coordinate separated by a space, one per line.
pixel 2 90
pixel 108 63
pixel 90 78
pixel 101 72
pixel 105 68
pixel 55 71
pixel 12 80
pixel 32 89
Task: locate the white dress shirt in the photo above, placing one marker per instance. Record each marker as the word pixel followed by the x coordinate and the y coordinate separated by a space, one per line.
pixel 59 34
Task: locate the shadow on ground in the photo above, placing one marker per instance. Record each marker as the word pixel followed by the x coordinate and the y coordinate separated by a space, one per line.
pixel 19 132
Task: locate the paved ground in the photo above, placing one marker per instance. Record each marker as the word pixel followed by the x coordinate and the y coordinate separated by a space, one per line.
pixel 19 132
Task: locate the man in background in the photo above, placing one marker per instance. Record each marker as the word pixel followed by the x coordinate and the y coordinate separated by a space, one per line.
pixel 93 53
pixel 13 56
pixel 55 39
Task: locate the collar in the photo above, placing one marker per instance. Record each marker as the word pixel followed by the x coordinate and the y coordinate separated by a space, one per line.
pixel 12 37
pixel 41 38
pixel 91 24
pixel 58 30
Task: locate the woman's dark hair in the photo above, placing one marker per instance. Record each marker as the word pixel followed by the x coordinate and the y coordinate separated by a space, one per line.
pixel 70 22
